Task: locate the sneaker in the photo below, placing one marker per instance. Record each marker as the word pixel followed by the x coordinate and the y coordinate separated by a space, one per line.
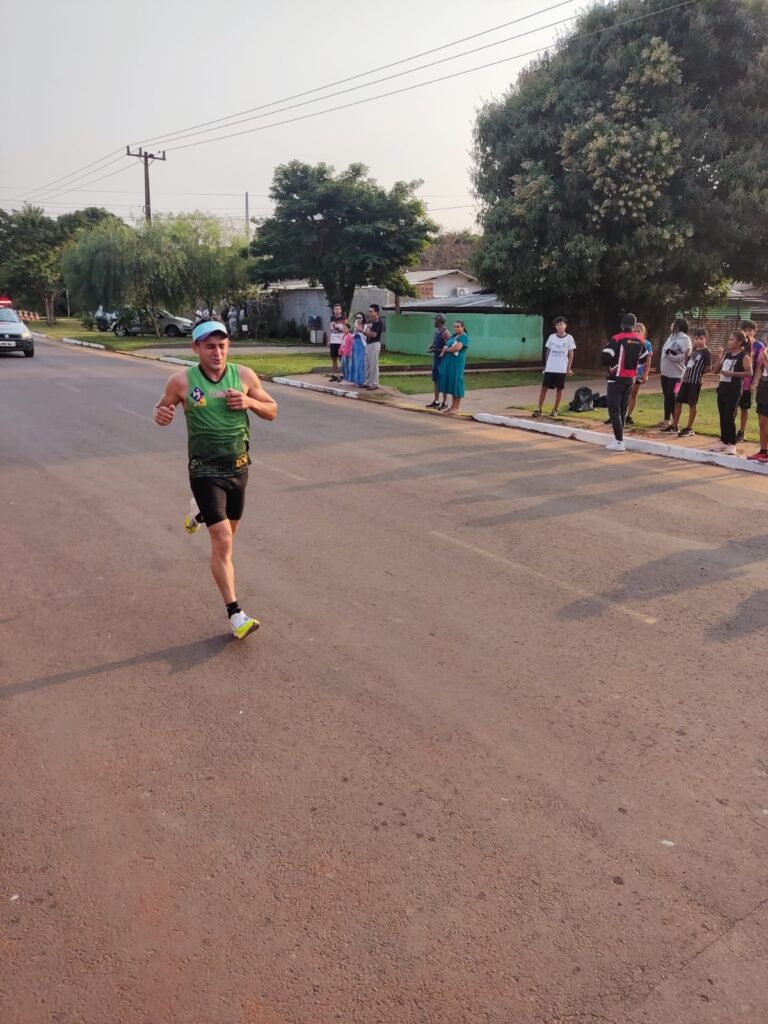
pixel 555 414
pixel 730 449
pixel 739 437
pixel 615 446
pixel 669 429
pixel 686 432
pixel 242 625
pixel 191 523
pixel 442 407
pixel 629 421
pixel 761 456
pixel 536 413
pixel 719 447
pixel 433 405
pixel 607 423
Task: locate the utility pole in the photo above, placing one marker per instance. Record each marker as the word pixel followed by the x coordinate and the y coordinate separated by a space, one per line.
pixel 247 220
pixel 148 158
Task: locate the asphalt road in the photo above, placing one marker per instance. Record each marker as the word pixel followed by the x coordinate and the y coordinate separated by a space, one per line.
pixel 498 754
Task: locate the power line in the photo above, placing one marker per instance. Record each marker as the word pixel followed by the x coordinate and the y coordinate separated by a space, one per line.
pixel 66 191
pixel 72 174
pixel 363 74
pixel 431 81
pixel 366 85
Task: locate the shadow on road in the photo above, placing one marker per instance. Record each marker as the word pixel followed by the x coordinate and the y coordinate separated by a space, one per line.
pixel 180 659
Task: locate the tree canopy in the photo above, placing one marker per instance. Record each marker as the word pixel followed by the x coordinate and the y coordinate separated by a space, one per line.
pixel 451 250
pixel 629 167
pixel 340 230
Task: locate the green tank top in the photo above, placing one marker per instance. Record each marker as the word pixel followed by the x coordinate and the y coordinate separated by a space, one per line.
pixel 217 435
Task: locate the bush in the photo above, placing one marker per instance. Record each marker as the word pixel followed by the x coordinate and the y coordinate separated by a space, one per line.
pixel 87 321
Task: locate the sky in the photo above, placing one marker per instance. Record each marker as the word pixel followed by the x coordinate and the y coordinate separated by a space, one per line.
pixel 86 78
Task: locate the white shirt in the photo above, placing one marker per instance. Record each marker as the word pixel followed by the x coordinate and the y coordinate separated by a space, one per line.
pixel 558 348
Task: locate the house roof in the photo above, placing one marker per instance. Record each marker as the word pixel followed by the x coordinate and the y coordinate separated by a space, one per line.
pixel 480 302
pixel 420 276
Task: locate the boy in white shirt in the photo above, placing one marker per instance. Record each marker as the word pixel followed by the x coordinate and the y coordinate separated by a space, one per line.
pixel 560 348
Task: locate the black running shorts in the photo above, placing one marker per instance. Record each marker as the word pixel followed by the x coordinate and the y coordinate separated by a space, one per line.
pixel 334 348
pixel 553 381
pixel 745 402
pixel 219 497
pixel 688 394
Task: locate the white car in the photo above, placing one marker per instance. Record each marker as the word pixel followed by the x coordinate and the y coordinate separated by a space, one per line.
pixel 15 336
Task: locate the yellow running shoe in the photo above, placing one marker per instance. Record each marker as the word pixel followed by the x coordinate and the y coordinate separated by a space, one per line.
pixel 242 625
pixel 191 523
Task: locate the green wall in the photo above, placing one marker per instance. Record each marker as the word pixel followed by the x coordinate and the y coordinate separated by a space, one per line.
pixel 491 335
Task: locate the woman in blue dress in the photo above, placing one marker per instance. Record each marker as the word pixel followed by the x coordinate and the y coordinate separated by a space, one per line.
pixel 451 372
pixel 357 359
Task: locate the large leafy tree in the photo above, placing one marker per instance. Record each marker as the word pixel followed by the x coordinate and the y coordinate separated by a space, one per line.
pixel 629 168
pixel 451 250
pixel 340 230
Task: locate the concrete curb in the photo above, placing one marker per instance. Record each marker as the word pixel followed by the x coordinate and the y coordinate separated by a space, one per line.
pixel 314 387
pixel 632 444
pixel 82 344
pixel 118 352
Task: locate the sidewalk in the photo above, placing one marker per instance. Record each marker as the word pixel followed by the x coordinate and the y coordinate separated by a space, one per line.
pixel 504 407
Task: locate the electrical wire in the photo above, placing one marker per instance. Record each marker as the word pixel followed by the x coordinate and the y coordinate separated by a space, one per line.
pixel 432 81
pixel 72 174
pixel 182 132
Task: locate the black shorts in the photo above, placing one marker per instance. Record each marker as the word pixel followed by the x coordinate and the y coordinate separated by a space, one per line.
pixel 745 402
pixel 761 398
pixel 688 394
pixel 554 381
pixel 334 347
pixel 219 497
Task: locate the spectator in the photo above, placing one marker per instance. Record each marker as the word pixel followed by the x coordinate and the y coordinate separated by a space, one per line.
pixel 453 357
pixel 643 373
pixel 439 338
pixel 674 356
pixel 337 327
pixel 373 332
pixel 745 402
pixel 233 322
pixel 357 366
pixel 733 365
pixel 560 347
pixel 622 356
pixel 760 381
pixel 345 352
pixel 699 363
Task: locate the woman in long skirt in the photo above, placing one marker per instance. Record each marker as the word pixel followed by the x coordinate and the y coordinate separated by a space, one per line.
pixel 357 361
pixel 452 360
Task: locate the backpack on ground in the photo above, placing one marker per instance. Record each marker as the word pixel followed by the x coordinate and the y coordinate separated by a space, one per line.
pixel 583 400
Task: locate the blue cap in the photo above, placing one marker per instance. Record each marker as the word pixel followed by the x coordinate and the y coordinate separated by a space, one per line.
pixel 208 327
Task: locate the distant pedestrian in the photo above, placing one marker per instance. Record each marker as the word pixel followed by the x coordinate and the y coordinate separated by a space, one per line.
pixel 373 332
pixel 337 326
pixel 734 365
pixel 453 357
pixel 345 355
pixel 357 365
pixel 760 381
pixel 674 356
pixel 622 356
pixel 699 363
pixel 560 347
pixel 233 322
pixel 643 373
pixel 745 402
pixel 439 338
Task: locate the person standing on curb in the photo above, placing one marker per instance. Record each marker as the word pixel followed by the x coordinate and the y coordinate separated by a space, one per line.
pixel 216 397
pixel 760 381
pixel 674 356
pixel 337 325
pixel 439 338
pixel 699 363
pixel 643 373
pixel 373 332
pixel 453 357
pixel 745 402
pixel 622 356
pixel 560 347
pixel 734 365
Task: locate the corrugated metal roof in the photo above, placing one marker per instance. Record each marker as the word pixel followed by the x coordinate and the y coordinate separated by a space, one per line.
pixel 420 276
pixel 485 302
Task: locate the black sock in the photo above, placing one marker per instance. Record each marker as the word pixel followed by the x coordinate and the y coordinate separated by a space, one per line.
pixel 232 607
pixel 199 518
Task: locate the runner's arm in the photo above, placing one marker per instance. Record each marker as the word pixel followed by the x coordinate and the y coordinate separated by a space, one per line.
pixel 254 397
pixel 173 395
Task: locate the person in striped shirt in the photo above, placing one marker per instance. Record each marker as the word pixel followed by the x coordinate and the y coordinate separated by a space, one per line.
pixel 699 362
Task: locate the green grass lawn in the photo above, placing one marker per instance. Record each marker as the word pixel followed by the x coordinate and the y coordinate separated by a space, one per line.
pixel 66 327
pixel 422 385
pixel 287 363
pixel 650 409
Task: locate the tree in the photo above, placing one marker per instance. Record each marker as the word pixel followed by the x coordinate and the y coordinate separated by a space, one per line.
pixel 451 250
pixel 341 230
pixel 213 267
pixel 96 268
pixel 628 169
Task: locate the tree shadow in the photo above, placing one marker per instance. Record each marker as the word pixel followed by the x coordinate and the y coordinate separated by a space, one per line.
pixel 180 659
pixel 682 573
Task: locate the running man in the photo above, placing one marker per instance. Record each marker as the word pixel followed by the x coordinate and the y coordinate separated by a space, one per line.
pixel 216 397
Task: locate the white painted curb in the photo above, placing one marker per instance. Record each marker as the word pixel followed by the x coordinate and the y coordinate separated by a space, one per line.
pixel 170 359
pixel 82 344
pixel 632 444
pixel 314 387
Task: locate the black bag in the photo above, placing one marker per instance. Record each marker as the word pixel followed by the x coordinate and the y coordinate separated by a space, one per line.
pixel 583 400
pixel 599 401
